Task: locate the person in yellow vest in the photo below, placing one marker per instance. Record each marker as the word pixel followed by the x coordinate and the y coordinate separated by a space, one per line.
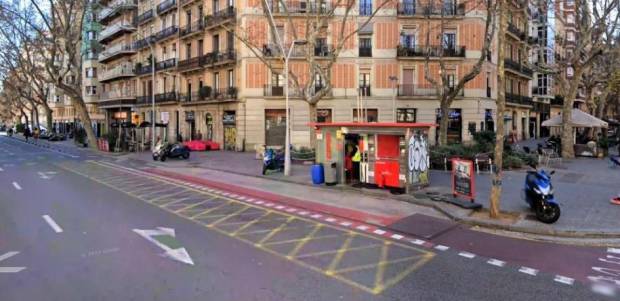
pixel 357 158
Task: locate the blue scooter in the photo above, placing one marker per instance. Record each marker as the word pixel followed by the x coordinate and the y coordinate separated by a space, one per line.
pixel 539 195
pixel 273 160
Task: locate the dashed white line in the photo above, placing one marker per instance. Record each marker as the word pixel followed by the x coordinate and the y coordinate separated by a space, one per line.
pixel 563 279
pixel 467 255
pixel 17 186
pixel 260 202
pixel 52 223
pixel 613 250
pixel 303 212
pixel 604 289
pixel 442 247
pixel 379 232
pixel 280 207
pixel 330 219
pixel 397 236
pixel 496 262
pixel 316 216
pixel 529 271
pixel 418 242
pixel 362 227
pixel 345 224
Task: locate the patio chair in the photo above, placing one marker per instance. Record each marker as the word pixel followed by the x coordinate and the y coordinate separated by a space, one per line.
pixel 550 157
pixel 483 159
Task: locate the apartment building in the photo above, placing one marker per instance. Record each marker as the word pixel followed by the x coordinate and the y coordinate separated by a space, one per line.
pixel 542 56
pixel 206 84
pixel 90 49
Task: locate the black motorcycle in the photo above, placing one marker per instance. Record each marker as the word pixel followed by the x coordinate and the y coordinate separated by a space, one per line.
pixel 163 151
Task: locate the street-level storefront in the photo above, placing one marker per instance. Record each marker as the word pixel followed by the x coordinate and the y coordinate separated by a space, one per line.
pixel 229 123
pixel 391 155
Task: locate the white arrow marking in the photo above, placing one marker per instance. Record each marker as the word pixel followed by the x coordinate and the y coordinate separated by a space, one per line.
pixel 52 223
pixel 10 269
pixel 179 254
pixel 17 186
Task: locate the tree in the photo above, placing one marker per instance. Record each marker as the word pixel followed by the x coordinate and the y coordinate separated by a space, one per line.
pixel 496 187
pixel 448 89
pixel 54 29
pixel 310 24
pixel 596 24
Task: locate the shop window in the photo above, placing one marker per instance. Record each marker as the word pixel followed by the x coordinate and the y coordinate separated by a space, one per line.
pixel 372 115
pixel 275 127
pixel 455 125
pixel 407 115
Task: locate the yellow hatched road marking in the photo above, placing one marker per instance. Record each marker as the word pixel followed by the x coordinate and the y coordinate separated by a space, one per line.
pixel 343 249
pixel 247 224
pixel 306 255
pixel 194 205
pixel 282 242
pixel 195 216
pixel 276 230
pixel 381 267
pixel 228 216
pixel 373 265
pixel 167 196
pixel 303 241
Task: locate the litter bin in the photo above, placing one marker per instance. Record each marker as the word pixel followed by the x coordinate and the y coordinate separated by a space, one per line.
pixel 317 174
pixel 331 174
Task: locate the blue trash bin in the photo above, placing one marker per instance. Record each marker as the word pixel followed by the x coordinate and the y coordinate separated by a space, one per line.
pixel 318 176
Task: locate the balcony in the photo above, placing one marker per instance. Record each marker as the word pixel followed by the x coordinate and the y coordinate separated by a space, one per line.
pixel 116 51
pixel 364 90
pixel 145 16
pixel 414 90
pixel 166 6
pixel 517 32
pixel 299 7
pixel 115 30
pixel 518 99
pixel 143 69
pixel 120 71
pixel 518 68
pixel 192 64
pixel 219 59
pixel 432 51
pixel 118 95
pixel 167 97
pixel 183 3
pixel 365 51
pixel 412 9
pixel 541 91
pixel 220 17
pixel 192 28
pixel 114 9
pixel 166 33
pixel 207 94
pixel 167 64
pixel 142 43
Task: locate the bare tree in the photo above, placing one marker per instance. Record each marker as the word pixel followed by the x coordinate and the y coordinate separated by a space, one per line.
pixel 54 29
pixel 309 24
pixel 449 88
pixel 596 24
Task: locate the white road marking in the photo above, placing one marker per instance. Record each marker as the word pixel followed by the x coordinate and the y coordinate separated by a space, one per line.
pixel 442 247
pixel 8 255
pixel 1 169
pixel 397 236
pixel 496 262
pixel 467 255
pixel 17 186
pixel 379 232
pixel 613 250
pixel 10 269
pixel 317 216
pixel 604 289
pixel 303 213
pixel 330 219
pixel 280 207
pixel 418 242
pixel 563 279
pixel 529 271
pixel 363 228
pixel 52 223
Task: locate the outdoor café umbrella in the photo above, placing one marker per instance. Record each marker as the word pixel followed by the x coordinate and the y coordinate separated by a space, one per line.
pixel 579 119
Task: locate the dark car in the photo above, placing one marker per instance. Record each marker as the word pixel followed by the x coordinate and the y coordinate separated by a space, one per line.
pixel 57 137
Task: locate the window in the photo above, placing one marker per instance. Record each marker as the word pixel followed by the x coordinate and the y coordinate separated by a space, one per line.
pixel 407 39
pixel 324 115
pixel 318 82
pixel 365 47
pixel 90 91
pixel 365 7
pixel 364 80
pixel 406 115
pixel 570 36
pixel 570 71
pixel 91 72
pixel 231 78
pixel 570 19
pixel 449 7
pixel 188 50
pixel 163 53
pixel 216 43
pixel 92 35
pixel 372 115
pixel 488 84
pixel 449 41
pixel 277 79
pixel 216 81
pixel 451 81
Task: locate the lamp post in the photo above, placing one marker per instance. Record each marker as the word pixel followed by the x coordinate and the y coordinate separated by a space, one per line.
pixel 394 79
pixel 287 139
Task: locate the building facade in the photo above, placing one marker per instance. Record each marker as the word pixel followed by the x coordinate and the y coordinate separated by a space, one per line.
pixel 207 84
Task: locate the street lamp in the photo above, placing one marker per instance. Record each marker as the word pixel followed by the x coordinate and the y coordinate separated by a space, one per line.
pixel 287 139
pixel 394 79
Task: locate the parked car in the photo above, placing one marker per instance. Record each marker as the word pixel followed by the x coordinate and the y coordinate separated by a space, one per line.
pixel 57 137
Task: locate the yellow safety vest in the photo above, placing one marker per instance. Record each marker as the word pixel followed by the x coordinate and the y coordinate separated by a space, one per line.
pixel 357 157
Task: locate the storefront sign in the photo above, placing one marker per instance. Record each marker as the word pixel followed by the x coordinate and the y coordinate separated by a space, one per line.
pixel 120 115
pixel 165 117
pixel 418 159
pixel 189 116
pixel 463 178
pixel 229 118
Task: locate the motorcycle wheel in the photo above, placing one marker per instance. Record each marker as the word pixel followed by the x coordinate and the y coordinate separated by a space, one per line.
pixel 163 158
pixel 185 156
pixel 154 158
pixel 548 214
pixel 264 170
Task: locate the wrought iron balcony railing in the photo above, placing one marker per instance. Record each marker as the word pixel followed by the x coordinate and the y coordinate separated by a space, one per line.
pixel 409 90
pixel 432 51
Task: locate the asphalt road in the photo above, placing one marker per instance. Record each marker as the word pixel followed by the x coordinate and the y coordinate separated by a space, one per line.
pixel 72 220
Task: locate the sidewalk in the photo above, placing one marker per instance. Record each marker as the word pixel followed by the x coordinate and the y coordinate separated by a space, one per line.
pixel 583 187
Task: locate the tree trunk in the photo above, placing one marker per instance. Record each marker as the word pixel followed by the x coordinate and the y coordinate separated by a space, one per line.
pixel 48 118
pixel 82 112
pixel 313 119
pixel 568 139
pixel 32 121
pixel 496 188
pixel 36 115
pixel 443 123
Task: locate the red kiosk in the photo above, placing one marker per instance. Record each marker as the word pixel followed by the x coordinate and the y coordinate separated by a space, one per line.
pixel 393 155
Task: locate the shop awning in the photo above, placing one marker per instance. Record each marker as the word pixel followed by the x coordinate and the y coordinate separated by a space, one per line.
pixel 579 119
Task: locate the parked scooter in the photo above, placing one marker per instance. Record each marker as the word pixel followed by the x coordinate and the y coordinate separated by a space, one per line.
pixel 539 195
pixel 164 150
pixel 273 160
